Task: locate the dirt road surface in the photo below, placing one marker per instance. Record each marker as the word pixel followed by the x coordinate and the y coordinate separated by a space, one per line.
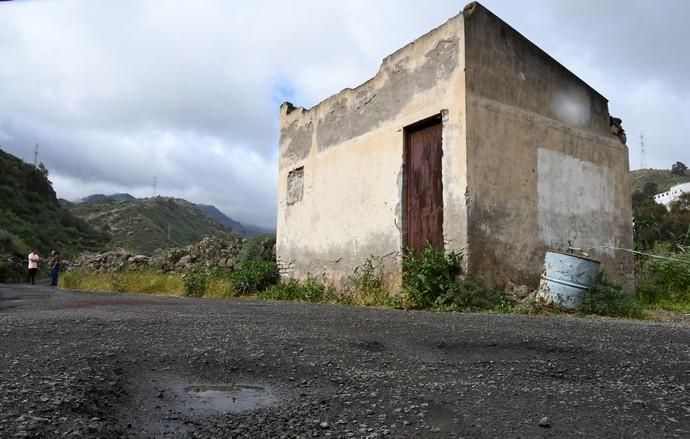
pixel 117 365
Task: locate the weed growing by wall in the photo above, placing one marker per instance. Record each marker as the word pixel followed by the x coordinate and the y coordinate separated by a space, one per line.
pixel 607 299
pixel 313 289
pixel 429 276
pixel 469 294
pixel 366 286
pixel 432 280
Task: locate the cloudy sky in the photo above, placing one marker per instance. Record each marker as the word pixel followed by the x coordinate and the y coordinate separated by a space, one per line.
pixel 116 92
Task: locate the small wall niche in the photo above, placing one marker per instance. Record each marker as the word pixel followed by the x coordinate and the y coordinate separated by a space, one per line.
pixel 295 185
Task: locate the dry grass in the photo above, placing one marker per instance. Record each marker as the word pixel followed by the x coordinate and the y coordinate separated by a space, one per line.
pixel 143 282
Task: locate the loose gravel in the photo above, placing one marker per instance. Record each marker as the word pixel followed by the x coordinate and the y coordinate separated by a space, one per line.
pixel 116 365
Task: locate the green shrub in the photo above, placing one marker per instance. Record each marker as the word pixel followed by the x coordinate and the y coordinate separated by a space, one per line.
pixel 251 277
pixel 313 290
pixel 469 294
pixel 220 287
pixel 664 283
pixel 209 281
pixel 195 283
pixel 258 248
pixel 116 283
pixel 429 276
pixel 607 299
pixel 432 280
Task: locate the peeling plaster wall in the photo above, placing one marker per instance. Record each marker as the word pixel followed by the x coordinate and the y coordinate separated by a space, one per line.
pixel 543 165
pixel 351 149
pixel 529 162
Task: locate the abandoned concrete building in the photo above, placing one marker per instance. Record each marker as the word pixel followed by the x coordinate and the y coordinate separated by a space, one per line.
pixel 470 137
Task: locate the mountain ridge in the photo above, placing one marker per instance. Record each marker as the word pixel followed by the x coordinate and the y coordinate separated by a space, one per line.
pixel 150 224
pixel 245 230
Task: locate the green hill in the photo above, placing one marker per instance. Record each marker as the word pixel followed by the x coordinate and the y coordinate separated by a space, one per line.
pixel 144 225
pixel 662 177
pixel 32 217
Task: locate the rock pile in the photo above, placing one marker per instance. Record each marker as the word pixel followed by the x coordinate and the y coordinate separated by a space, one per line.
pixel 115 260
pixel 210 251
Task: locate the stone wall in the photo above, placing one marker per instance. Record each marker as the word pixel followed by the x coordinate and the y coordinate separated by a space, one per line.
pixel 209 251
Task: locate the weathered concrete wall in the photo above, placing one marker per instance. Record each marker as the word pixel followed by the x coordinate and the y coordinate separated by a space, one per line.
pixel 529 160
pixel 543 168
pixel 350 149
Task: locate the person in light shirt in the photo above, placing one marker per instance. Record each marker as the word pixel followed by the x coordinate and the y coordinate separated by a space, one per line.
pixel 33 266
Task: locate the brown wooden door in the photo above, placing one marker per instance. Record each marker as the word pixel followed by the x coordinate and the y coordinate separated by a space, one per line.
pixel 423 186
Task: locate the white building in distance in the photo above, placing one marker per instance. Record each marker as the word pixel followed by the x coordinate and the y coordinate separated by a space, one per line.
pixel 668 197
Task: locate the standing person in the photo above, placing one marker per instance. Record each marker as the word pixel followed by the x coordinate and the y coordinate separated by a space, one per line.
pixel 54 268
pixel 33 266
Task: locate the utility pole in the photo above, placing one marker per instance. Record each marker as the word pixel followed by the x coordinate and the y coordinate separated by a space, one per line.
pixel 36 155
pixel 643 155
pixel 155 183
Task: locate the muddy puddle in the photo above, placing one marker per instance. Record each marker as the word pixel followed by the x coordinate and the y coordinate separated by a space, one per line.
pixel 227 397
pixel 167 405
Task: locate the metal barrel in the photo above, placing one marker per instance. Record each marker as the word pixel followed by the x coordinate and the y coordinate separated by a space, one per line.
pixel 566 278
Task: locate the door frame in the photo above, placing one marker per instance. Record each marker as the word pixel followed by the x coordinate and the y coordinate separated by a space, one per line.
pixel 407 132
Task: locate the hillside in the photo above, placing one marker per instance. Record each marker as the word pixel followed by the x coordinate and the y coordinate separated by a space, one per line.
pixel 246 230
pixel 100 198
pixel 146 224
pixel 662 177
pixel 32 217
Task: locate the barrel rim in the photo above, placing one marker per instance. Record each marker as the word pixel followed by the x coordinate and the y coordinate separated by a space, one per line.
pixel 586 258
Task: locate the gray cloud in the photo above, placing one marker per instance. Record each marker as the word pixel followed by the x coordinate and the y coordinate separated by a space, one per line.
pixel 116 92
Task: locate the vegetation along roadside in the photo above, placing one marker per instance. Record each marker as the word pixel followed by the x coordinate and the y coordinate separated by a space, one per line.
pixel 432 280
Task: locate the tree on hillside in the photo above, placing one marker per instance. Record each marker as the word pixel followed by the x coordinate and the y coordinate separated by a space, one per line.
pixel 650 188
pixel 678 220
pixel 679 168
pixel 637 199
pixel 654 224
pixel 649 224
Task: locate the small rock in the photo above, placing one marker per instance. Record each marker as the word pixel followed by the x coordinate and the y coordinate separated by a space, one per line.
pixel 544 422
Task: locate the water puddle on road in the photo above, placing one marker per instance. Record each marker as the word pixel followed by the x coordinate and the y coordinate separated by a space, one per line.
pixel 228 397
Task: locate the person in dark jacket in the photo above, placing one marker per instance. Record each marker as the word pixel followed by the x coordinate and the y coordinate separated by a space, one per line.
pixel 54 268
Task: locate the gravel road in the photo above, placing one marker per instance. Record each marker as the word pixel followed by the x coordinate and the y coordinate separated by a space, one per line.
pixel 118 365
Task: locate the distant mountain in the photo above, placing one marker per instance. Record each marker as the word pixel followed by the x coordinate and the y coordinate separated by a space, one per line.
pixel 146 224
pixel 100 198
pixel 247 230
pixel 32 217
pixel 661 177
